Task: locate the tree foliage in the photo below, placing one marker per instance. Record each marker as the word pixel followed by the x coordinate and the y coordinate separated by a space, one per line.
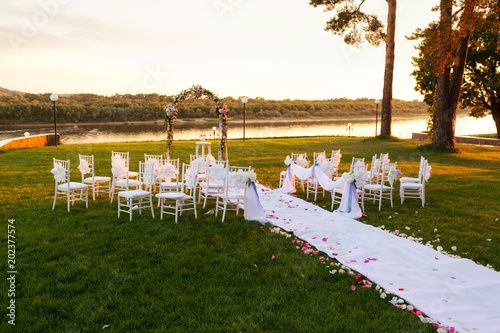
pixel 352 23
pixel 481 81
pixel 355 25
pixel 22 108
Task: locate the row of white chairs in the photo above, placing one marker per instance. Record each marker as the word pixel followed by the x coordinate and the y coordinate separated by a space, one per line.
pixel 136 194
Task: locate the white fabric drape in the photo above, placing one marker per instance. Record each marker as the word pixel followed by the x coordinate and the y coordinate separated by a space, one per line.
pixel 349 205
pixel 253 208
pixel 301 173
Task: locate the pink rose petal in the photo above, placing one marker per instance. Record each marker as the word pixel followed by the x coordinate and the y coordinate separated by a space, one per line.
pixel 353 287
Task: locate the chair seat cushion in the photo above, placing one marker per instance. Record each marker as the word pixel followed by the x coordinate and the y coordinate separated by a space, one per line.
pixel 73 186
pixel 408 180
pixel 213 184
pixel 133 174
pixel 411 186
pixel 172 195
pixel 97 179
pixel 133 194
pixel 375 187
pixel 123 182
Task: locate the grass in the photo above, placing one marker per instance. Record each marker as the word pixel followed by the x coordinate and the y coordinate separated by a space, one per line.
pixel 80 271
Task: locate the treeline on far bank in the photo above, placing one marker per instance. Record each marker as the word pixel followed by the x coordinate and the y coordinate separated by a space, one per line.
pixel 80 108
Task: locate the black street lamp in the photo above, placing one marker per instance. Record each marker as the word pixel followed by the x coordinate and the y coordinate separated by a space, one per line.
pixel 54 98
pixel 244 100
pixel 377 102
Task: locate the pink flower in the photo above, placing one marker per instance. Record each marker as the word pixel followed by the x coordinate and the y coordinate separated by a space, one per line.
pixel 170 114
pixel 353 287
pixel 272 257
pixel 223 111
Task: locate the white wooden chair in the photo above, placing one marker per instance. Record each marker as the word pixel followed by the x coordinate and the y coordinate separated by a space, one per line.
pixel 177 202
pixel 130 200
pixel 313 185
pixel 121 176
pixel 66 189
pixel 214 182
pixel 420 172
pixel 382 190
pixel 233 193
pixel 99 184
pixel 416 190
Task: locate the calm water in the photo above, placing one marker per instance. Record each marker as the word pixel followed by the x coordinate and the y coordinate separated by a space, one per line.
pixel 192 130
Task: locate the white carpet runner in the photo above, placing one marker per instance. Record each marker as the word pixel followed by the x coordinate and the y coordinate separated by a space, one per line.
pixel 456 292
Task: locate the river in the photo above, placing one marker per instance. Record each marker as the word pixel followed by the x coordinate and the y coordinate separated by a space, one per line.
pixel 191 130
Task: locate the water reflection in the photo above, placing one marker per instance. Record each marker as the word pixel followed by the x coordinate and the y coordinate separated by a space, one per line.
pixel 191 130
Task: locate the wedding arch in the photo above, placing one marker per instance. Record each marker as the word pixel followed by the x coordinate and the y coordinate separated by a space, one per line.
pixel 198 91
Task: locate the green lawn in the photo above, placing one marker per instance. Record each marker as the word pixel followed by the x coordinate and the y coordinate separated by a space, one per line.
pixel 82 270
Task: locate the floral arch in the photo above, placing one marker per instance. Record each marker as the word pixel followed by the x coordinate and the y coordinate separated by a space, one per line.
pixel 198 91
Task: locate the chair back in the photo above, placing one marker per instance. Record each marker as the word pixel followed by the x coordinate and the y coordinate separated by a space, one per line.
pixel 319 158
pixel 146 176
pixel 169 169
pixel 216 171
pixel 190 177
pixel 61 171
pixel 357 163
pixel 119 167
pixel 86 165
pixel 200 162
pixel 230 183
pixel 386 170
pixel 328 167
pixel 422 167
pixel 124 155
pixel 300 159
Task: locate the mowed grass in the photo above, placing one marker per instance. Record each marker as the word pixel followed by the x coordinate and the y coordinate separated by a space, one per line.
pixel 82 270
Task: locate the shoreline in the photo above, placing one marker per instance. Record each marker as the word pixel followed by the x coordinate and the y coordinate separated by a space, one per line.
pixel 214 121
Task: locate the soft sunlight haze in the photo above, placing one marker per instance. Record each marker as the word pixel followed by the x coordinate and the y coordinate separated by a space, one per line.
pixel 273 49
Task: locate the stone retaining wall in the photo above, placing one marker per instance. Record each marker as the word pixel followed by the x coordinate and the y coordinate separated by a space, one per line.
pixel 31 141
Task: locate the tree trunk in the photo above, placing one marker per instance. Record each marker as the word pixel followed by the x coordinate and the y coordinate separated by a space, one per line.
pixel 495 112
pixel 448 90
pixel 385 126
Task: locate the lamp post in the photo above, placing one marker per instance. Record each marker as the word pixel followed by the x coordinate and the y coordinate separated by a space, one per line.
pixel 54 98
pixel 244 100
pixel 377 102
pixel 349 128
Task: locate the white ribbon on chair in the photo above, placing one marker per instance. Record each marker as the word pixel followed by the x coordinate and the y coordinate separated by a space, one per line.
pixel 118 168
pixel 59 173
pixel 168 171
pixel 253 208
pixel 427 171
pixel 84 166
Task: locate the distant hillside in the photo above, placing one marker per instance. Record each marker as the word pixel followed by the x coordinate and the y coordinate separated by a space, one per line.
pixel 4 91
pixel 16 107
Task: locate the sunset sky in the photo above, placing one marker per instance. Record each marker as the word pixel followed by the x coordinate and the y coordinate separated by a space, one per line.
pixel 274 49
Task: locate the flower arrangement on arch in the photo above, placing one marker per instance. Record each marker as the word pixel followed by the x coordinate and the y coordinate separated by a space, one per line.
pixel 221 110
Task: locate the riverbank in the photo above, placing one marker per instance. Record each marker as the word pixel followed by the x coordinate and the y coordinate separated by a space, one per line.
pixel 215 121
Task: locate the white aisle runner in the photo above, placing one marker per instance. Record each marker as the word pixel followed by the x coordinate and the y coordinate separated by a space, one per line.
pixel 456 292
